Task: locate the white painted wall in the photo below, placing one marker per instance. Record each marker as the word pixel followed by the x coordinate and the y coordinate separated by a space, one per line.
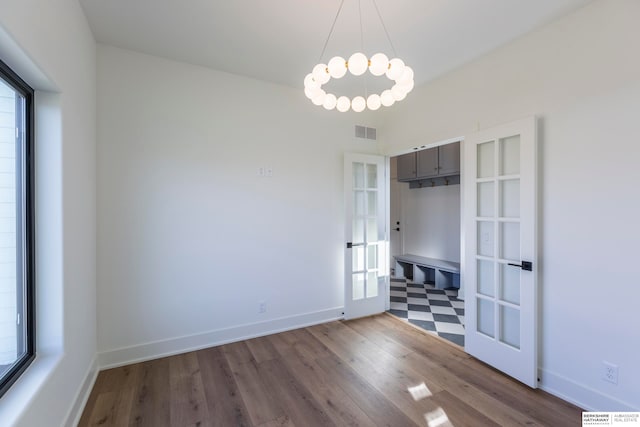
pixel 431 219
pixel 190 238
pixel 50 45
pixel 581 75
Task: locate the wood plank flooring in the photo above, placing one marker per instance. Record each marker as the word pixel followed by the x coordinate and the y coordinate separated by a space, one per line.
pixel 347 373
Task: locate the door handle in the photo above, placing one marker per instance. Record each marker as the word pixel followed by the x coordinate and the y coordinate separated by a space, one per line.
pixel 525 265
pixel 351 244
pixel 397 228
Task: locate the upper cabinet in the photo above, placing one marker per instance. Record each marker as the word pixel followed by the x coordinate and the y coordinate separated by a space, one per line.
pixel 406 167
pixel 432 162
pixel 449 159
pixel 427 162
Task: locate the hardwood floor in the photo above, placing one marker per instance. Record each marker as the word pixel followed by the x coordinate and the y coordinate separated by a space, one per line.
pixel 348 373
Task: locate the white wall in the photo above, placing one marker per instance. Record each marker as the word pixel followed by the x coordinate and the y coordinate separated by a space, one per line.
pixel 581 75
pixel 190 238
pixel 431 220
pixel 50 45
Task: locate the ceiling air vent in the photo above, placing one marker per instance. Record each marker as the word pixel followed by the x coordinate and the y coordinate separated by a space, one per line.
pixel 365 132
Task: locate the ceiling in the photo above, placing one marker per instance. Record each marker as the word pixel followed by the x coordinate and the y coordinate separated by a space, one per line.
pixel 280 41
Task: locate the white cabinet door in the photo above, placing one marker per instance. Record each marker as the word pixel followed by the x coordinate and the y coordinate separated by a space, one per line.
pixel 500 272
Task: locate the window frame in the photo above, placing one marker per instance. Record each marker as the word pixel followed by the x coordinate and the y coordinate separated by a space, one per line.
pixel 25 226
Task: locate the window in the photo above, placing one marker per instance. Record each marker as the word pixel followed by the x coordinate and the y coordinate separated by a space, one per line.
pixel 17 316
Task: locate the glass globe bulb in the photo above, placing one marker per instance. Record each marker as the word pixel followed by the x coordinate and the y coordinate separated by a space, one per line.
pixel 319 98
pixel 398 93
pixel 379 64
pixel 311 93
pixel 386 98
pixel 310 83
pixel 337 67
pixel 320 74
pixel 373 102
pixel 329 101
pixel 406 75
pixel 358 64
pixel 396 68
pixel 343 104
pixel 358 104
pixel 407 86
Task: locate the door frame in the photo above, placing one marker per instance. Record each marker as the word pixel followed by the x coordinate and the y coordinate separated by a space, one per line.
pixel 463 231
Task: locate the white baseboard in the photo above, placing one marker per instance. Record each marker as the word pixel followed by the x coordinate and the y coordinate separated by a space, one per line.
pixel 169 347
pixel 82 396
pixel 579 394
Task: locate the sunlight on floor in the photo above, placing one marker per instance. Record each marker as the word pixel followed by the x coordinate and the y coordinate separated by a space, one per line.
pixel 438 418
pixel 419 392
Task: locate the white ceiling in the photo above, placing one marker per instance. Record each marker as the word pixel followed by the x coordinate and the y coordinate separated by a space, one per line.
pixel 281 40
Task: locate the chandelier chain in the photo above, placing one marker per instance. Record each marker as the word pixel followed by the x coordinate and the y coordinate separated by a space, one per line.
pixel 385 28
pixel 331 31
pixel 366 87
pixel 361 32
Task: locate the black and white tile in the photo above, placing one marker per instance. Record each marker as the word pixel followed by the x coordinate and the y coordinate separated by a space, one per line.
pixel 437 311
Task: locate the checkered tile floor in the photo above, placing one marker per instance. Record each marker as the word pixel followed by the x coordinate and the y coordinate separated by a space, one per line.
pixel 437 311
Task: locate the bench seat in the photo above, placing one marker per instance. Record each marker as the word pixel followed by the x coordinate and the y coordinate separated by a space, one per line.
pixel 419 269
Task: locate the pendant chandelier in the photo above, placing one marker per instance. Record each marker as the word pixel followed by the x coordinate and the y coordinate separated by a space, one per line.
pixel 358 64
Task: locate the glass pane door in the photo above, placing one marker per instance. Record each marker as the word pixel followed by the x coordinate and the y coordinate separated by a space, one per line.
pixel 498 239
pixel 366 247
pixel 499 272
pixel 365 268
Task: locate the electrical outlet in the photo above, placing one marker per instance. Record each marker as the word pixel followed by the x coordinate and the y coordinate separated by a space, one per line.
pixel 262 308
pixel 609 372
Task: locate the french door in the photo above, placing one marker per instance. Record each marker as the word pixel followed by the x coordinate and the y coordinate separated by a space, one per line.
pixel 366 267
pixel 500 271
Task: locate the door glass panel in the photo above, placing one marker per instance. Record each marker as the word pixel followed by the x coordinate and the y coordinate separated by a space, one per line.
pixel 358 175
pixel 372 202
pixel 486 157
pixel 486 317
pixel 372 257
pixel 485 238
pixel 372 230
pixel 372 176
pixel 510 155
pixel 510 241
pixel 358 203
pixel 510 326
pixel 510 284
pixel 510 198
pixel 372 284
pixel 486 278
pixel 485 199
pixel 358 230
pixel 358 258
pixel 358 286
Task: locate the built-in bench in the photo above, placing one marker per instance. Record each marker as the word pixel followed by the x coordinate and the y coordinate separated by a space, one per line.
pixel 419 269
